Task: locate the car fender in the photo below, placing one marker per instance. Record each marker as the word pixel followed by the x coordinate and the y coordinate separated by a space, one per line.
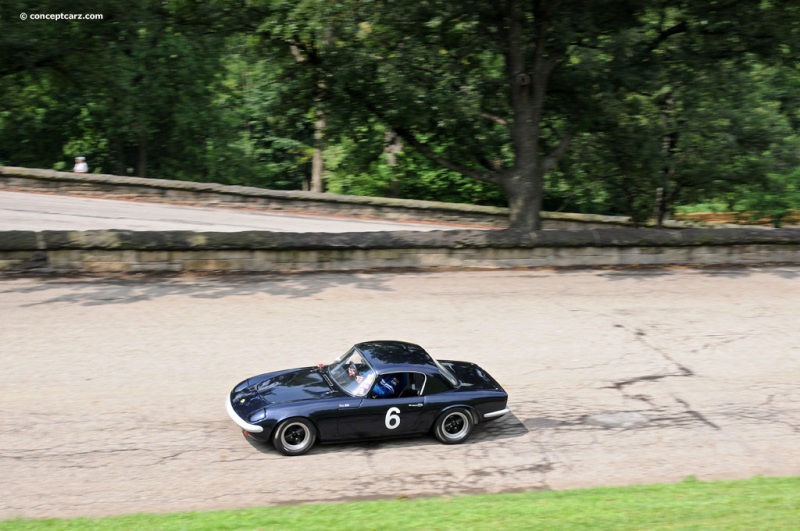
pixel 279 419
pixel 322 419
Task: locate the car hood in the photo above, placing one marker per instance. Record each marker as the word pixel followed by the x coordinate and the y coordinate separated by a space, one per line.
pixel 280 387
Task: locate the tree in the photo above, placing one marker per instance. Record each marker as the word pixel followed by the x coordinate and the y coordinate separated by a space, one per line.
pixel 776 198
pixel 266 135
pixel 124 90
pixel 568 104
pixel 497 91
pixel 435 73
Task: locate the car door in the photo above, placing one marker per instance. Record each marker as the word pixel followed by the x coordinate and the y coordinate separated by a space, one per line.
pixel 382 417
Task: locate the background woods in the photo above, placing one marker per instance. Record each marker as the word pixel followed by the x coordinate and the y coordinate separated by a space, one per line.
pixel 615 107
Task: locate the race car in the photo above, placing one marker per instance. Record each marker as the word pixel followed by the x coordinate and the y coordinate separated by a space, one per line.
pixel 375 390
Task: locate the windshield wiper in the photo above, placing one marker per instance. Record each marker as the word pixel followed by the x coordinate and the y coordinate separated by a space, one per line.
pixel 327 378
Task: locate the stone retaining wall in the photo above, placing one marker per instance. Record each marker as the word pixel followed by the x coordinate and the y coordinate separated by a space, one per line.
pixel 256 251
pixel 243 197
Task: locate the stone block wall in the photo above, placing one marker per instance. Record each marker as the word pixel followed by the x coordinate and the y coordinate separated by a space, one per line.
pixel 570 242
pixel 125 252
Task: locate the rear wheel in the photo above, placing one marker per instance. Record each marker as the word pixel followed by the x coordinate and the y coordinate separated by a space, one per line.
pixel 453 426
pixel 294 436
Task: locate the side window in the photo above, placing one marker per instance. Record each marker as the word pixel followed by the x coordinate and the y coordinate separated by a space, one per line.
pixel 400 385
pixel 434 385
pixel 391 385
pixel 415 385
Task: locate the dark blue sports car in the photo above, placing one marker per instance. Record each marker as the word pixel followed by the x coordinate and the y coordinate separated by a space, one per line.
pixel 377 389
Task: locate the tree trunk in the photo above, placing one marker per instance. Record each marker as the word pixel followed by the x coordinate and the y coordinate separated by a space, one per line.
pixel 393 145
pixel 669 147
pixel 141 158
pixel 524 200
pixel 525 183
pixel 317 162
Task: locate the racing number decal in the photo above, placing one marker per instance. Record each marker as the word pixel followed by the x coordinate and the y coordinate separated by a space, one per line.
pixel 393 418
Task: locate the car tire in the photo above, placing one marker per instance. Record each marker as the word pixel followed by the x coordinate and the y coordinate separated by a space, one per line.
pixel 453 426
pixel 294 436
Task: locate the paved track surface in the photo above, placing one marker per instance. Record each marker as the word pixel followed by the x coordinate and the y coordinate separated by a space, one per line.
pixel 112 391
pixel 24 211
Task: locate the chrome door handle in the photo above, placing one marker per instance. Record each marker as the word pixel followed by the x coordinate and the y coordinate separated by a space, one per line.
pixel 416 405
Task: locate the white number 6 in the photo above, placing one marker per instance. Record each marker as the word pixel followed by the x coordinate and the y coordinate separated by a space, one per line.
pixel 393 418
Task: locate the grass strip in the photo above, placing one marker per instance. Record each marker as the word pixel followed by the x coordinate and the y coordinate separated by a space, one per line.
pixel 758 503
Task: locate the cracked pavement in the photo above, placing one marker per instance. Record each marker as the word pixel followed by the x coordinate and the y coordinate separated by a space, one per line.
pixel 112 389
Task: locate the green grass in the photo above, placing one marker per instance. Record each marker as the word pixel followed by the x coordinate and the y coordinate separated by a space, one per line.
pixel 702 207
pixel 760 503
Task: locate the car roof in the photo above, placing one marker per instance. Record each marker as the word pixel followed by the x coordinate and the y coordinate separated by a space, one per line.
pixel 396 356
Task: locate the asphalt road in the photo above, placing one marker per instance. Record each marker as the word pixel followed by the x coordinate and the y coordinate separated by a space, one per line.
pixel 24 211
pixel 112 391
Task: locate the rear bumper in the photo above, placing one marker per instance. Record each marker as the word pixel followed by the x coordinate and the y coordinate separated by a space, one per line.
pixel 495 414
pixel 251 428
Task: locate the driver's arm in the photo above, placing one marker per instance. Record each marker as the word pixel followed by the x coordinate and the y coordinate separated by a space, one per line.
pixel 380 390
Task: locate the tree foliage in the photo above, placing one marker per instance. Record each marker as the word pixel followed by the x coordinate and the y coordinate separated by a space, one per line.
pixel 616 106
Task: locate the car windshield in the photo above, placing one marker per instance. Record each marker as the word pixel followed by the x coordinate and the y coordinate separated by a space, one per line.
pixel 352 373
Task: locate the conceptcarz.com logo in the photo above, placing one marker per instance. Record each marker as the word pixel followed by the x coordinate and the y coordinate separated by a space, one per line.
pixel 61 16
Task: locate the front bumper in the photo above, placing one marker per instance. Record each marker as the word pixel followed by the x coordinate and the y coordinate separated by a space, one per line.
pixel 251 428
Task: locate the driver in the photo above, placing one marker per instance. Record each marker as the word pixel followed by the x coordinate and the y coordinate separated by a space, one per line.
pixel 352 372
pixel 386 387
pixel 389 386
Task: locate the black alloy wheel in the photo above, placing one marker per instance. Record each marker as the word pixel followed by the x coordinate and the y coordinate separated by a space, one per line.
pixel 294 436
pixel 453 426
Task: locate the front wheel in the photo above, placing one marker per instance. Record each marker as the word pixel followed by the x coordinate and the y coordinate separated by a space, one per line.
pixel 294 436
pixel 453 426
